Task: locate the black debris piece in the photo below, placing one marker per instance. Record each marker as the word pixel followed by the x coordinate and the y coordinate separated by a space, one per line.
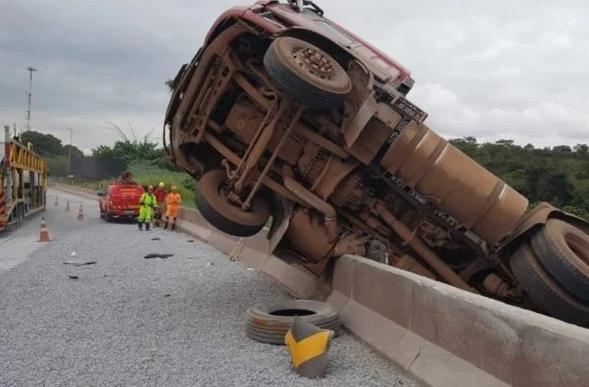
pixel 156 239
pixel 162 256
pixel 73 276
pixel 190 240
pixel 79 263
pixel 166 295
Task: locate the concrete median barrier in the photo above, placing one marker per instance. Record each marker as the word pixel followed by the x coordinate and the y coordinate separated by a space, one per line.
pixel 449 337
pixel 444 336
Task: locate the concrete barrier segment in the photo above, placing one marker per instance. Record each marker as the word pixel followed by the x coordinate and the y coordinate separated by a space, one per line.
pixel 449 337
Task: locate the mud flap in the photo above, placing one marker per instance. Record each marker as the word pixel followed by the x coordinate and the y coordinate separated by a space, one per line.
pixel 281 212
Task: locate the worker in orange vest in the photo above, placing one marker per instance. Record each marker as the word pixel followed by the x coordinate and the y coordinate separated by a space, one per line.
pixel 173 207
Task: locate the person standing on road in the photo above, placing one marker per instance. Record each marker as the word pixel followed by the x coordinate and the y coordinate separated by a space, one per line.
pixel 174 199
pixel 148 202
pixel 160 195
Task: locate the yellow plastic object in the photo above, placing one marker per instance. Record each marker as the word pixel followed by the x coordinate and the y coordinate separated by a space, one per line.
pixel 309 347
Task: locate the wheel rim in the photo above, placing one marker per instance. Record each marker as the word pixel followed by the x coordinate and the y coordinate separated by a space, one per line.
pixel 315 63
pixel 211 185
pixel 578 246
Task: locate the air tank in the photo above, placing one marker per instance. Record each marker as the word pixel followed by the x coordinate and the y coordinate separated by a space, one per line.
pixel 456 183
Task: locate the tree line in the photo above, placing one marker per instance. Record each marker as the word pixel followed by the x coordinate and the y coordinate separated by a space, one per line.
pixel 559 175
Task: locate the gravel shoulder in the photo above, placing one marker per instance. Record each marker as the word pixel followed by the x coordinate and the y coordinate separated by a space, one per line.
pixel 131 321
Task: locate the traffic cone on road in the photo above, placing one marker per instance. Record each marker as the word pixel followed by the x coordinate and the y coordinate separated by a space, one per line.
pixel 80 213
pixel 44 234
pixel 67 206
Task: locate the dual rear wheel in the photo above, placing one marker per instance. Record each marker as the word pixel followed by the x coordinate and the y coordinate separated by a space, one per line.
pixel 553 269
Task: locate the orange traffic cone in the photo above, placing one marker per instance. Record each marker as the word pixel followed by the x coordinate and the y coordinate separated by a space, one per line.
pixel 67 206
pixel 56 201
pixel 80 213
pixel 44 234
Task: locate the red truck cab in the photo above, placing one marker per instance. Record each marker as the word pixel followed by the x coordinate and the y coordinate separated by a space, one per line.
pixel 121 200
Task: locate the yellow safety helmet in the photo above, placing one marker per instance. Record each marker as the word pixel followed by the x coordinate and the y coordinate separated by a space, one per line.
pixel 161 184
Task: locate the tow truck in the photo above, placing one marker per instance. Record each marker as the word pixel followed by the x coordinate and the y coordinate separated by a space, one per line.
pixel 23 182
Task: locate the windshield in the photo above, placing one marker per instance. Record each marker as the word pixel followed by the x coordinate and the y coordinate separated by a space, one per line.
pixel 329 29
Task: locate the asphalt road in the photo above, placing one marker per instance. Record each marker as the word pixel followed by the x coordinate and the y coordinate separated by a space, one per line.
pixel 131 321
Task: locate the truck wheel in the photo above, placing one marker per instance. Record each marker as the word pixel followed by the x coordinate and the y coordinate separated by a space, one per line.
pixel 544 290
pixel 223 215
pixel 306 73
pixel 563 250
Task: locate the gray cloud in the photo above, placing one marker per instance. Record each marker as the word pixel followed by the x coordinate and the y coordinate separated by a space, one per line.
pixel 490 69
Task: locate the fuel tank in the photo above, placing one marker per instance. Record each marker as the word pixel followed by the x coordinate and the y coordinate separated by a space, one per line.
pixel 456 183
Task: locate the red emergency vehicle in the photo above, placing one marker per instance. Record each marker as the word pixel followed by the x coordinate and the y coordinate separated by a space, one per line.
pixel 121 199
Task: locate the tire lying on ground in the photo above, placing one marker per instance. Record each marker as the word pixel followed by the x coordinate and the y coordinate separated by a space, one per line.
pixel 544 290
pixel 269 323
pixel 563 250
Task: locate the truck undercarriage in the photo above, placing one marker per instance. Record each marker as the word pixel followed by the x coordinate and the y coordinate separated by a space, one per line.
pixel 297 130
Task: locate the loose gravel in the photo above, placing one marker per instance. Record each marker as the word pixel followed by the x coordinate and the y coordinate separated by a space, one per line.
pixel 132 321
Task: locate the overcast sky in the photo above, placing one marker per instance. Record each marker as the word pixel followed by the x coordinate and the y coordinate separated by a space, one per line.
pixel 488 68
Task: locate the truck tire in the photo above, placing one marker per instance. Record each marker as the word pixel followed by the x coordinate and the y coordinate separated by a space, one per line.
pixel 224 216
pixel 269 323
pixel 291 66
pixel 563 250
pixel 544 290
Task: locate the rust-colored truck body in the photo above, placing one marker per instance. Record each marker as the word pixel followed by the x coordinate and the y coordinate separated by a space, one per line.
pixel 285 115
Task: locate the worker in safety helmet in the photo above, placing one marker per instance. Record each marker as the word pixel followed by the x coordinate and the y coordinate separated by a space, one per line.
pixel 148 203
pixel 173 200
pixel 160 195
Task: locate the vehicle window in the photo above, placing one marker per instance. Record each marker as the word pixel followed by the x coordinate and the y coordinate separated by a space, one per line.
pixel 270 17
pixel 343 38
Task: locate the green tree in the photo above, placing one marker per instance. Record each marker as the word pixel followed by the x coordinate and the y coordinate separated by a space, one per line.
pixel 44 144
pixel 76 153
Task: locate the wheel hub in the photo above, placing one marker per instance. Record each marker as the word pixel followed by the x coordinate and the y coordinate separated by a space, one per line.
pixel 315 62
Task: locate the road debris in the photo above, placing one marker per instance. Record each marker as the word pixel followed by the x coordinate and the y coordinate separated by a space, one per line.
pixel 79 263
pixel 269 323
pixel 162 256
pixel 73 277
pixel 309 347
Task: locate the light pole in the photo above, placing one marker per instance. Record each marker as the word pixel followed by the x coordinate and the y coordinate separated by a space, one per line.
pixel 69 156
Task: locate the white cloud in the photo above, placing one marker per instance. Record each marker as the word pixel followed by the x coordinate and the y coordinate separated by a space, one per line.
pixel 491 69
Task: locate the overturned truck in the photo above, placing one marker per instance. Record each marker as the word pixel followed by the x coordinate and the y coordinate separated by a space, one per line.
pixel 284 115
